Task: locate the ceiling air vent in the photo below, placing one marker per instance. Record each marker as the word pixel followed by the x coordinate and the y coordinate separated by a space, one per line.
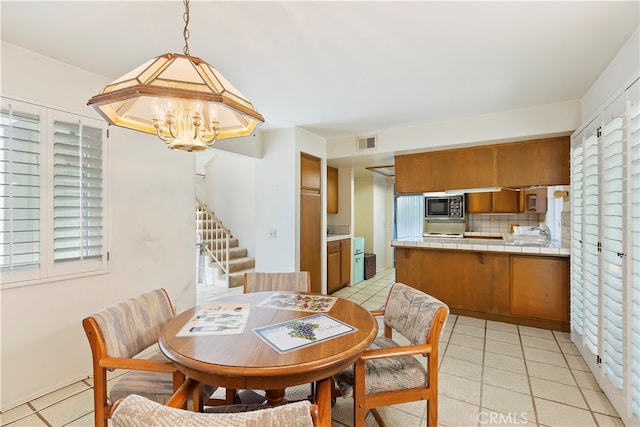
pixel 366 143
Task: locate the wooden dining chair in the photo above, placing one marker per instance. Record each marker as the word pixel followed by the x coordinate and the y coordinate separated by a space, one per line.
pixel 389 373
pixel 293 281
pixel 120 332
pixel 138 411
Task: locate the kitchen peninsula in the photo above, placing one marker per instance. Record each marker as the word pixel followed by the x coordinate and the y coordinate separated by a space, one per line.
pixel 489 279
pixel 495 279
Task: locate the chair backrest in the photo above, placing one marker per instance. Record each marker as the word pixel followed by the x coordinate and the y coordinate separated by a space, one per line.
pixel 137 411
pixel 294 281
pixel 411 312
pixel 131 326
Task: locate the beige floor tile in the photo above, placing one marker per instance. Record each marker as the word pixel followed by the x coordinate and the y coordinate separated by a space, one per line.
pixel 550 372
pixel 453 413
pixel 506 379
pixel 507 401
pixel 541 343
pixel 576 363
pixel 562 336
pixel 464 353
pixel 607 421
pixel 561 393
pixel 507 363
pixel 505 348
pixel 598 402
pixel 470 330
pixel 503 327
pixel 568 348
pixel 472 321
pixel 461 368
pixel 69 409
pixel 59 395
pixel 544 356
pixel 15 414
pixel 560 415
pixel 30 421
pixel 489 417
pixel 535 332
pixel 86 421
pixel 507 337
pixel 586 380
pixel 459 388
pixel 467 341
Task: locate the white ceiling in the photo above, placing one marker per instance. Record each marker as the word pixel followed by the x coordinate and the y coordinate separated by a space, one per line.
pixel 348 68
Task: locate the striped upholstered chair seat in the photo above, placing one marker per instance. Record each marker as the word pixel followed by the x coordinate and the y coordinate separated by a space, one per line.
pixel 137 411
pixel 389 370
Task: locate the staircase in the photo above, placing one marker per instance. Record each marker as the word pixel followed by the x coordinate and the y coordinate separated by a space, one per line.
pixel 221 249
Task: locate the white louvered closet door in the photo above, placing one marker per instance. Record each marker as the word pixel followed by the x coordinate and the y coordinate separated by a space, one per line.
pixel 633 258
pixel 591 243
pixel 577 269
pixel 613 242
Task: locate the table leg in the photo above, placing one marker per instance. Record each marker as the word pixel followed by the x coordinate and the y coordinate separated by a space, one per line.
pixel 275 397
pixel 323 400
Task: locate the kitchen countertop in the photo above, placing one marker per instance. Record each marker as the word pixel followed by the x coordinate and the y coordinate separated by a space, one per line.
pixel 334 237
pixel 476 244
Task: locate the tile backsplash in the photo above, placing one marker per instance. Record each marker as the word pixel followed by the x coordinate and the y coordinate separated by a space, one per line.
pixel 501 223
pixel 339 229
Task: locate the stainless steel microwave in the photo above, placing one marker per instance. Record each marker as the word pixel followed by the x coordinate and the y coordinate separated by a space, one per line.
pixel 445 207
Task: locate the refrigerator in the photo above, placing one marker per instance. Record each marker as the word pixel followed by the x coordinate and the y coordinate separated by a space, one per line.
pixel 358 259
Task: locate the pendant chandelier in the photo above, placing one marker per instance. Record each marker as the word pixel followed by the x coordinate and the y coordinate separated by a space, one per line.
pixel 183 100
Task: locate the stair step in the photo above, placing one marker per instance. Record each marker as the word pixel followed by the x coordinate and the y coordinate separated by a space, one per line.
pixel 234 253
pixel 241 264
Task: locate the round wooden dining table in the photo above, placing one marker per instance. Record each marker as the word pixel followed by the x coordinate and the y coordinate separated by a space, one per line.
pixel 246 361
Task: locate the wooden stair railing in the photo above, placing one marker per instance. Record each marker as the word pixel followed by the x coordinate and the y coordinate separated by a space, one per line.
pixel 214 237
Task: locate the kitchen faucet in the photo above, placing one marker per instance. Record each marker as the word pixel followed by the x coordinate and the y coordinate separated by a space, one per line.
pixel 544 228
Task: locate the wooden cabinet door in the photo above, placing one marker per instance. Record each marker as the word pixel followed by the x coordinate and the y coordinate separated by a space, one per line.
pixel 345 262
pixel 540 287
pixel 332 190
pixel 478 202
pixel 333 266
pixel 505 201
pixel 466 280
pixel 311 238
pixel 309 172
pixel 538 162
pixel 446 170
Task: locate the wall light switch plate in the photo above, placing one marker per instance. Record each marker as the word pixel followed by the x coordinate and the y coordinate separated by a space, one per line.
pixel 273 233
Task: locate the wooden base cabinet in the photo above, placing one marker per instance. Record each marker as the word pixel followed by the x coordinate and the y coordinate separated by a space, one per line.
pixel 540 287
pixel 338 264
pixel 522 289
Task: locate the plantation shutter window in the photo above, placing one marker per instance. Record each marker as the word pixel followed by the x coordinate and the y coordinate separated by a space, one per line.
pixel 54 188
pixel 20 188
pixel 78 191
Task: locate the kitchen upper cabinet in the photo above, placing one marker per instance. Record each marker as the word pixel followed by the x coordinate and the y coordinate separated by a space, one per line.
pixel 504 201
pixel 513 165
pixel 445 170
pixel 309 172
pixel 332 190
pixel 538 162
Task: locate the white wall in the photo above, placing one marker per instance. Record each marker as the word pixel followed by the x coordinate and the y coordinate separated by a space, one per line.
pixel 229 190
pixel 380 219
pixel 363 210
pixel 152 239
pixel 275 203
pixel 618 75
pixel 345 199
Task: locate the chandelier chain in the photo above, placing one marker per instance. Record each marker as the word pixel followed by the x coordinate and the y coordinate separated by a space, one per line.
pixel 185 32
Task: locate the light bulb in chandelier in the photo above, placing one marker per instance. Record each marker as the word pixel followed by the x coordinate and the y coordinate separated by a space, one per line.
pixel 188 129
